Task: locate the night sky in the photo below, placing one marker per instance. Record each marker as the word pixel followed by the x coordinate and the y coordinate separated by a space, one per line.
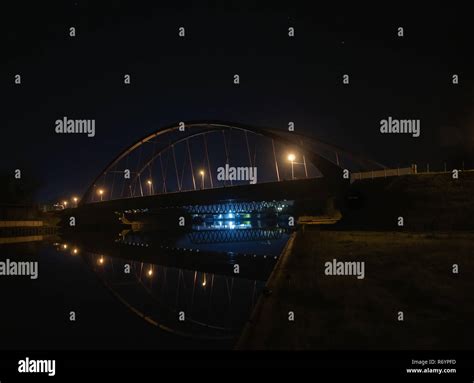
pixel 282 79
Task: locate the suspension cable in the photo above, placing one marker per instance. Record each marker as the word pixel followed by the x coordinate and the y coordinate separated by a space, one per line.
pixel 191 164
pixel 176 167
pixel 276 162
pixel 208 162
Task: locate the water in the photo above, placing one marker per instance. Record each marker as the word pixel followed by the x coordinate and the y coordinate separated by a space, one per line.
pixel 144 289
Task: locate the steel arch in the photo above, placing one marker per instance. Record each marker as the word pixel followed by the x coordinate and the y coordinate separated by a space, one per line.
pixel 326 166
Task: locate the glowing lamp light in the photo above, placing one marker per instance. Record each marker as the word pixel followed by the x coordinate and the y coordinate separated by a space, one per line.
pixel 291 157
pixel 150 272
pixel 149 182
pixel 201 172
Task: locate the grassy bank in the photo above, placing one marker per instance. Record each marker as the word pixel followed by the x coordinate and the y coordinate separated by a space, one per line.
pixel 409 272
pixel 427 202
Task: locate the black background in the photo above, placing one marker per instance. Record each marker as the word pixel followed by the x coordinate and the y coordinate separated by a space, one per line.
pixel 282 79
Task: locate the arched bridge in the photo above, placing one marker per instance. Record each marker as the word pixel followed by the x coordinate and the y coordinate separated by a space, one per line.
pixel 198 165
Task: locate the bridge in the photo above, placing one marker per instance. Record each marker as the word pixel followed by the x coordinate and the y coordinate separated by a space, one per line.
pixel 214 168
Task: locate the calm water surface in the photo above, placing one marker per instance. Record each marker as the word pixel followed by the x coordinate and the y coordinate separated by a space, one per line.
pixel 142 289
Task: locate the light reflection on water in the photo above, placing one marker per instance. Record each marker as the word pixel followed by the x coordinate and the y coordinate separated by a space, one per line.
pixel 202 283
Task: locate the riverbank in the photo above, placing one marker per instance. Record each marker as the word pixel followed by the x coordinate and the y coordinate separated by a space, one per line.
pixel 408 276
pixel 14 231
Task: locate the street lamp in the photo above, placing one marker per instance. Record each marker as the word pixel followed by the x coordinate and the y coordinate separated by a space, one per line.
pixel 101 193
pixel 150 184
pixel 75 199
pixel 291 158
pixel 65 204
pixel 201 172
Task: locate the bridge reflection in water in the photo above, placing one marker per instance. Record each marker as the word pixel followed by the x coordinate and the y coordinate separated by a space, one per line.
pixel 202 283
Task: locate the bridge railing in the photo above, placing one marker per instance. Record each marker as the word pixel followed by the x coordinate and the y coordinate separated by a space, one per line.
pixel 383 173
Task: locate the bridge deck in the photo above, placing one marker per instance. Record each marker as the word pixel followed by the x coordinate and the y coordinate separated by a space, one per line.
pixel 313 188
